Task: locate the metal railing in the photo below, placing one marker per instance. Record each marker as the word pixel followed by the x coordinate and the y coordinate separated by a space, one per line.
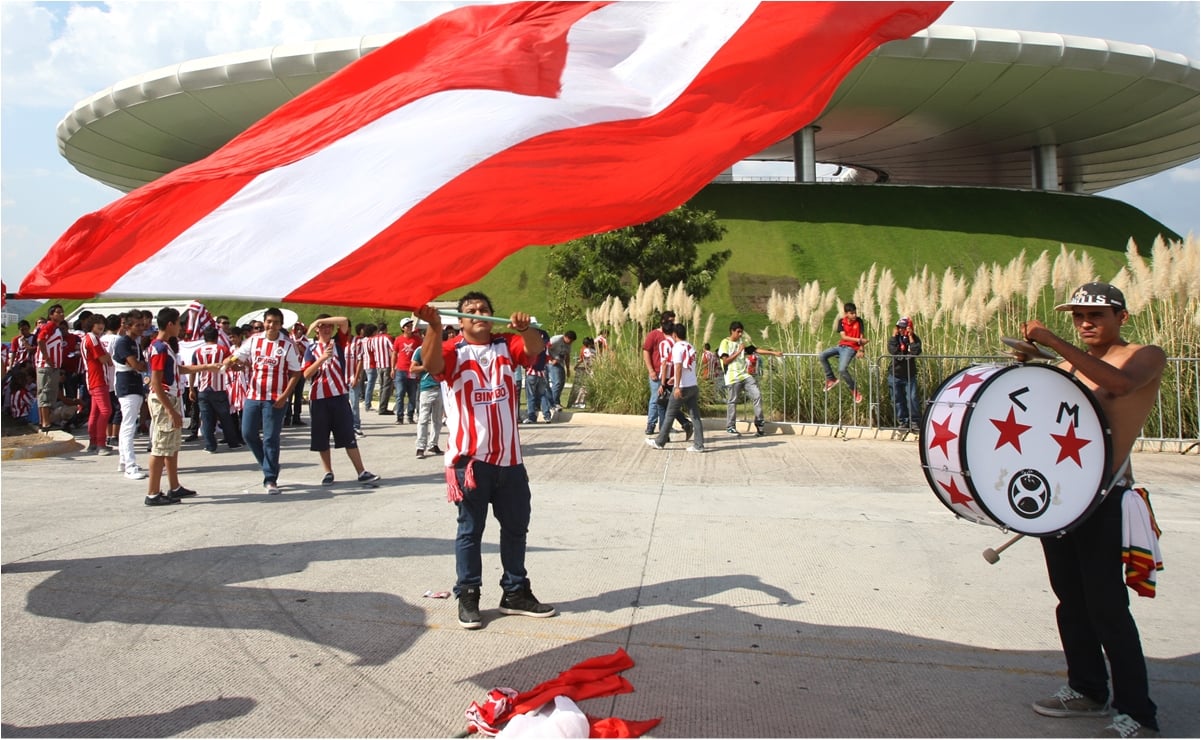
pixel 792 394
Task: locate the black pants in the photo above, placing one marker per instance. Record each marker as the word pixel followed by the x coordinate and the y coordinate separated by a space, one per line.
pixel 1087 574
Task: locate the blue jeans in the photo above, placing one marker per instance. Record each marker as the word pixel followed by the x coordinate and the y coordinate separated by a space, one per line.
pixel 354 404
pixel 654 412
pixel 536 397
pixel 261 425
pixel 845 355
pixel 369 393
pixel 556 376
pixel 214 407
pixel 507 489
pixel 404 395
pixel 904 400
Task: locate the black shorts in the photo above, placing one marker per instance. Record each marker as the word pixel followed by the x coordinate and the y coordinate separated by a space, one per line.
pixel 328 415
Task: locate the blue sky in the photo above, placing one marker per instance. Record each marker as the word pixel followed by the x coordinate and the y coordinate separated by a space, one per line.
pixel 56 54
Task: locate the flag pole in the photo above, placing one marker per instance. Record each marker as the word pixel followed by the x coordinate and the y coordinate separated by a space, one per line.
pixel 479 317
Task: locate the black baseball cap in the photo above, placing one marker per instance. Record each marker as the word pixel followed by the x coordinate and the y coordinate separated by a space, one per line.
pixel 1095 294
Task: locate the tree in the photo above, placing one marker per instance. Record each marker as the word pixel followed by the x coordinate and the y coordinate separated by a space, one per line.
pixel 665 249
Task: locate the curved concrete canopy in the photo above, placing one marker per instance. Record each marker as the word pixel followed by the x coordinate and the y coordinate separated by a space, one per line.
pixel 952 105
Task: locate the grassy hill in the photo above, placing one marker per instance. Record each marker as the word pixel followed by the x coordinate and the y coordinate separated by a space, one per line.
pixel 784 235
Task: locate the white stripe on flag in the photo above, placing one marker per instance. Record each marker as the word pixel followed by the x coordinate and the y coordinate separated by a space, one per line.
pixel 625 61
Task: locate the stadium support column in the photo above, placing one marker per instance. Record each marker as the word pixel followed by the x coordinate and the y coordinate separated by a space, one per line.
pixel 1046 172
pixel 804 157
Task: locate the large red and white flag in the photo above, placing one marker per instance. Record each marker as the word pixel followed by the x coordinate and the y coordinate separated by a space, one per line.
pixel 418 168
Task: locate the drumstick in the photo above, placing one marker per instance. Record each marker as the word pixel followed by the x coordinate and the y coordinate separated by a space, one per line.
pixel 479 317
pixel 992 556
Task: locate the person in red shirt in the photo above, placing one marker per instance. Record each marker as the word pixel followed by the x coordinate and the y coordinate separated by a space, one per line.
pixel 23 345
pixel 97 360
pixel 653 362
pixel 51 351
pixel 483 456
pixel 404 381
pixel 850 346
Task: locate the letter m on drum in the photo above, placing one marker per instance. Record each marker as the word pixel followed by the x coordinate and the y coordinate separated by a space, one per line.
pixel 1071 409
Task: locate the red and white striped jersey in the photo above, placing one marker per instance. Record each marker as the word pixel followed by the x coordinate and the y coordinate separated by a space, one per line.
pixel 379 351
pixel 21 350
pixel 20 403
pixel 211 380
pixel 330 380
pixel 663 357
pixel 197 318
pixel 237 381
pixel 481 399
pixel 272 363
pixel 354 359
pixel 683 354
pixel 56 346
pixel 161 357
pixel 93 352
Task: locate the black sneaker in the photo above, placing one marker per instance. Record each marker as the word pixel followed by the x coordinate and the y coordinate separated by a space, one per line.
pixel 160 499
pixel 688 430
pixel 525 604
pixel 181 492
pixel 759 431
pixel 327 479
pixel 435 450
pixel 420 454
pixel 469 609
pixel 731 430
pixel 367 477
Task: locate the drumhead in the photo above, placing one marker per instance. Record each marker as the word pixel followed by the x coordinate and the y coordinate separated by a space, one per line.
pixel 1031 446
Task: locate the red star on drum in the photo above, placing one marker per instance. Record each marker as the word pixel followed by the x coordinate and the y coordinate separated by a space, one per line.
pixel 967 380
pixel 1070 446
pixel 957 496
pixel 943 435
pixel 1011 431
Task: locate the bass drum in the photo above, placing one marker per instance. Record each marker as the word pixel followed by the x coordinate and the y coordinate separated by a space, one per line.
pixel 1021 447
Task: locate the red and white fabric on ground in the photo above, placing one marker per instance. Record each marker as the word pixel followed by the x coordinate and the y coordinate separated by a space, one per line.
pixel 588 679
pixel 489 129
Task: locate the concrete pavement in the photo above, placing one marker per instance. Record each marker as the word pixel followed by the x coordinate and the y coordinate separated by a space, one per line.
pixel 788 585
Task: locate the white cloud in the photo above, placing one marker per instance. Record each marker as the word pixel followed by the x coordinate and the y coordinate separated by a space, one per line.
pixel 1189 173
pixel 57 58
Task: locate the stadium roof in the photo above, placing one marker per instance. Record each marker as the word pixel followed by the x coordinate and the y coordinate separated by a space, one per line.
pixel 952 105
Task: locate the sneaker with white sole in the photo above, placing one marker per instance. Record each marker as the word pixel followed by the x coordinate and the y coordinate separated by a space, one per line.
pixel 652 442
pixel 830 383
pixel 1067 702
pixel 1124 725
pixel 272 488
pixel 696 449
pixel 133 472
pixel 523 603
pixel 367 477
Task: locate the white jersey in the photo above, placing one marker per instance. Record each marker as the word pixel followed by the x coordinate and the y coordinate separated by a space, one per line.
pixel 684 355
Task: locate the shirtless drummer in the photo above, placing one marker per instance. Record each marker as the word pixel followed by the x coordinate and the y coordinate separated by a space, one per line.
pixel 1085 565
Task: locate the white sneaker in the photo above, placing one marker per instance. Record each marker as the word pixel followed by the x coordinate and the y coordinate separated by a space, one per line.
pixel 133 472
pixel 120 466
